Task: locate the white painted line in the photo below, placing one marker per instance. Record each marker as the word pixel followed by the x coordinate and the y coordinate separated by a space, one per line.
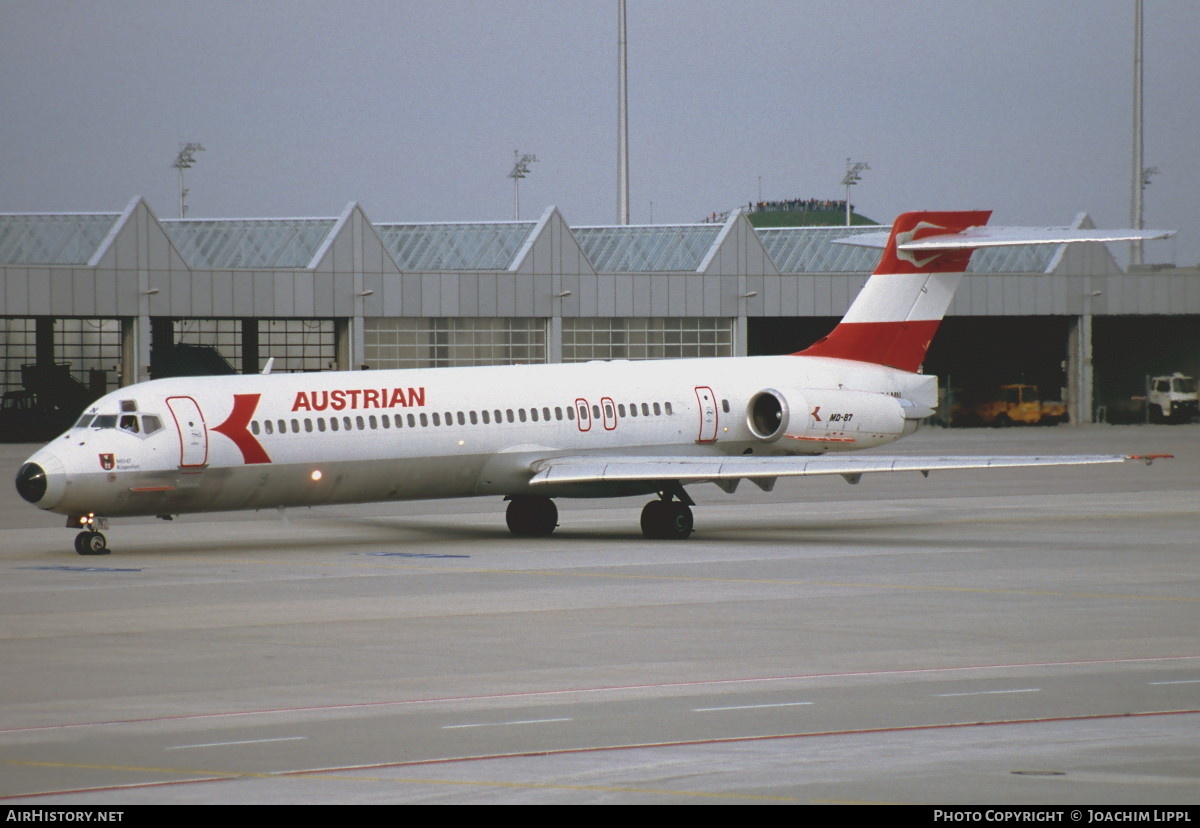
pixel 244 742
pixel 748 706
pixel 1179 681
pixel 502 724
pixel 987 693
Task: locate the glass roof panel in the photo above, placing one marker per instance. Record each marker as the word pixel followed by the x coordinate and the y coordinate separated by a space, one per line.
pixel 811 249
pixel 647 249
pixel 53 239
pixel 1027 258
pixel 481 246
pixel 247 243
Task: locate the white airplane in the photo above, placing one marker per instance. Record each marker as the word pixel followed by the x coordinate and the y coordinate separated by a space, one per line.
pixel 531 433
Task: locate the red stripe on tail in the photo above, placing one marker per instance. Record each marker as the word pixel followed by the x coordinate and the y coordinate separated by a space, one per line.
pixel 893 319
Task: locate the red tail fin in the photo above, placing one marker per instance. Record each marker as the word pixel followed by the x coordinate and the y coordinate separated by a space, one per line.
pixel 893 320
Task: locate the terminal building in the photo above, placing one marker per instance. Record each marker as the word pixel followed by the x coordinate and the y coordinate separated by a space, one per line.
pixel 92 301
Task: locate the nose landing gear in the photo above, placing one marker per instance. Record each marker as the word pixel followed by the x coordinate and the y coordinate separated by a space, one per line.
pixel 91 543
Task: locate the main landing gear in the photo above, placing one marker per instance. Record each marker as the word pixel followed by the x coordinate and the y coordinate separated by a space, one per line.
pixel 531 515
pixel 667 519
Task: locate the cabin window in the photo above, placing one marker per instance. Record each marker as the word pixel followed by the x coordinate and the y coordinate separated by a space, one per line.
pixel 486 417
pixel 545 412
pixel 424 419
pixel 333 423
pixel 509 412
pixel 359 422
pixel 645 410
pixel 412 420
pixel 725 406
pixel 570 412
pixel 372 423
pixel 621 409
pixel 667 408
pixel 346 423
pixel 499 419
pixel 558 415
pixel 385 421
pixel 533 413
pixel 595 411
pixel 462 420
pixel 657 410
pixel 308 425
pixel 474 419
pixel 267 425
pixel 320 423
pixel 521 414
pixel 254 426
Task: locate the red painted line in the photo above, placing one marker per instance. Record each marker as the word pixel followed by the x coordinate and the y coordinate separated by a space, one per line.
pixel 449 760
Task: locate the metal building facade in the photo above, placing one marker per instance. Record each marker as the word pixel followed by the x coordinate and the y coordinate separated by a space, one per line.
pixel 400 294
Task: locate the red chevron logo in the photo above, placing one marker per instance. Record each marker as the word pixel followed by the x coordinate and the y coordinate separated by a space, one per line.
pixel 236 429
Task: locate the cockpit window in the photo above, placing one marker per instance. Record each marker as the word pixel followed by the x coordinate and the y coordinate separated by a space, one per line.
pixel 84 420
pixel 105 421
pixel 129 422
pixel 150 423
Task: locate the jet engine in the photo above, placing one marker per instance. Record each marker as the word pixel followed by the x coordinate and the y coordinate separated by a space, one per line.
pixel 826 419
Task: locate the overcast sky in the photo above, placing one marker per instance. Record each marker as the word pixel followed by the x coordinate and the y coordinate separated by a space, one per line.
pixel 413 109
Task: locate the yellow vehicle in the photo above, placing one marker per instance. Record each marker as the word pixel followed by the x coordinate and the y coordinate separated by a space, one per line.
pixel 1020 405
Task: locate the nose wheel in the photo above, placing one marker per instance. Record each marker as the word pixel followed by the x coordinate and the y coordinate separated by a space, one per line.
pixel 91 543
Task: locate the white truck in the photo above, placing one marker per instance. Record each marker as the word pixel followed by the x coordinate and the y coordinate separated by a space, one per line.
pixel 1172 399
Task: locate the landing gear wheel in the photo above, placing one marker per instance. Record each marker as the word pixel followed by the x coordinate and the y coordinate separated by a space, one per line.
pixel 531 515
pixel 666 520
pixel 91 543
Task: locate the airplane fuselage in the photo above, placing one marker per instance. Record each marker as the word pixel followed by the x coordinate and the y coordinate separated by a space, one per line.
pixel 196 444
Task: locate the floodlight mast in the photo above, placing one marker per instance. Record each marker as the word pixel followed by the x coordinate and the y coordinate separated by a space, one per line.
pixel 184 161
pixel 622 118
pixel 520 170
pixel 852 177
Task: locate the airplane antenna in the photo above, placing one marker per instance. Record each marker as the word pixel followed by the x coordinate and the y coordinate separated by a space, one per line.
pixel 267 368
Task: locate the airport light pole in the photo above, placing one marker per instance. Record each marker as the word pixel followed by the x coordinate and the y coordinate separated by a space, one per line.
pixel 1139 174
pixel 852 177
pixel 184 161
pixel 622 119
pixel 520 170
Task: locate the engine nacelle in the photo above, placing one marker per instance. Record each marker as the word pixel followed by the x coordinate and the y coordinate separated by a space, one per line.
pixel 824 420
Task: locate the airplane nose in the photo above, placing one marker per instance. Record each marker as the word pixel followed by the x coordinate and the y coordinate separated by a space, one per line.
pixel 42 480
pixel 31 482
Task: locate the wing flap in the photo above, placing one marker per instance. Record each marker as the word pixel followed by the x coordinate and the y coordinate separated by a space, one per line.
pixel 621 469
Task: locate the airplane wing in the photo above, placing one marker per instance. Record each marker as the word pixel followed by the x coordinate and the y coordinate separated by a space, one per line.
pixel 624 469
pixel 985 236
